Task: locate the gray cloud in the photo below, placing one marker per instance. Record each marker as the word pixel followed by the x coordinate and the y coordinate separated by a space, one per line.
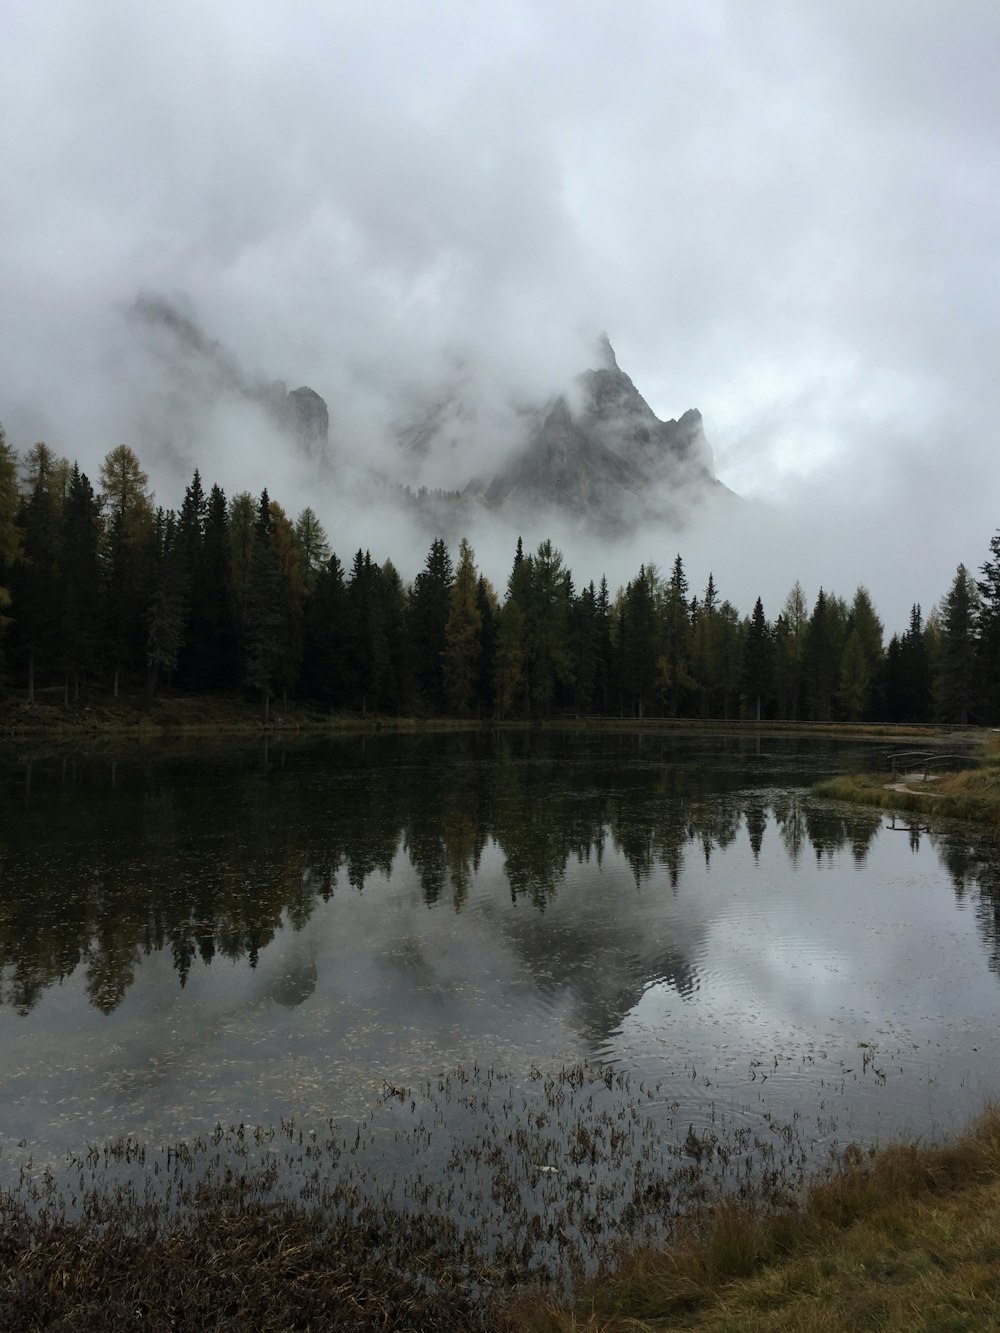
pixel 783 214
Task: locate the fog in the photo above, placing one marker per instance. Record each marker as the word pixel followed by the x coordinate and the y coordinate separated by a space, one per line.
pixel 783 215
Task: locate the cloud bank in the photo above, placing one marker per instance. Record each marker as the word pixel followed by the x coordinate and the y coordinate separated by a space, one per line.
pixel 784 215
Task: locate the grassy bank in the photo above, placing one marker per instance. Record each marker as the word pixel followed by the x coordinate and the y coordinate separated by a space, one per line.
pixel 972 793
pixel 140 715
pixel 907 1240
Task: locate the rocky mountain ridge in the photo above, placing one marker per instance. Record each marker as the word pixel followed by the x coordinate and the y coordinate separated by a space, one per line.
pixel 594 451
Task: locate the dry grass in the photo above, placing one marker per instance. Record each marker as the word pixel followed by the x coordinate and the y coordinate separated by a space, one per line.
pixel 231 1271
pixel 972 794
pixel 909 1239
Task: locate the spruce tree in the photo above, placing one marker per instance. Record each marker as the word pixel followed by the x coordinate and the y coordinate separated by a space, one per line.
pixel 80 583
pixel 463 641
pixel 430 606
pixel 957 678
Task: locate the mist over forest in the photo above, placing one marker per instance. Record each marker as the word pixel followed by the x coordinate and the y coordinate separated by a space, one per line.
pixel 783 221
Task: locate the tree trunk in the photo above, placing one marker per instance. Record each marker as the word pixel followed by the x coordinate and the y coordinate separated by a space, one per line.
pixel 116 683
pixel 31 677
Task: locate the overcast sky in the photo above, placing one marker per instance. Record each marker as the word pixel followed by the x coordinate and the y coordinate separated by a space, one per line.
pixel 783 213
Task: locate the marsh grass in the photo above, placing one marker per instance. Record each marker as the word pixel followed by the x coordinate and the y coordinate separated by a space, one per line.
pixel 908 1238
pixel 427 1213
pixel 475 1203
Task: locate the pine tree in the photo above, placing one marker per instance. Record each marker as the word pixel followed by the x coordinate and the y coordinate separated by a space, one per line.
pixel 854 685
pixel 37 577
pixel 166 613
pixel 988 636
pixel 368 649
pixel 430 606
pixel 547 651
pixel 313 545
pixel 641 649
pixel 80 583
pixel 124 548
pixel 675 670
pixel 463 642
pixel 758 661
pixel 510 672
pixel 486 601
pixel 957 678
pixel 864 679
pixel 11 537
pixel 264 629
pixel 218 662
pixel 326 633
pixel 909 686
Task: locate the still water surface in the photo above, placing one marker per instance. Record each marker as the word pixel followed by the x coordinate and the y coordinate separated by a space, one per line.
pixel 255 933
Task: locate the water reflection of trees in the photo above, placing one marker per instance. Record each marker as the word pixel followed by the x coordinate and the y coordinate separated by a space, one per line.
pixel 974 866
pixel 104 866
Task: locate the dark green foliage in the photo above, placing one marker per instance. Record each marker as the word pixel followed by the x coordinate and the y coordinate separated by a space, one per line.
pixel 80 580
pixel 956 691
pixel 430 605
pixel 758 662
pixel 218 597
pixel 36 578
pixel 166 606
pixel 908 674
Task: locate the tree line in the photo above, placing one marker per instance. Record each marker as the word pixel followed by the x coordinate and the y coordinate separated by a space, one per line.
pixel 104 585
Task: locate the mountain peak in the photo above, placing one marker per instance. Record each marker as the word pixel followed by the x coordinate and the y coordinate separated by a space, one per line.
pixel 606 359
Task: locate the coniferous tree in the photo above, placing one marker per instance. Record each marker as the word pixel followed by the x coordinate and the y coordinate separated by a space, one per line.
pixel 704 652
pixel 10 534
pixel 908 673
pixel 821 657
pixel 37 577
pixel 758 661
pixel 218 660
pixel 789 645
pixel 641 651
pixel 264 642
pixel 675 669
pixel 430 605
pixel 486 601
pixel 583 632
pixel 397 690
pixel 988 636
pixel 124 550
pixel 862 680
pixel 292 586
pixel 79 623
pixel 167 602
pixel 548 652
pixel 730 656
pixel 854 686
pixel 326 635
pixel 368 648
pixel 242 529
pixel 313 544
pixel 463 636
pixel 957 678
pixel 510 674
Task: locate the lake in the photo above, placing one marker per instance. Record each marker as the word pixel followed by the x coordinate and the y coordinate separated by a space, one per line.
pixel 485 967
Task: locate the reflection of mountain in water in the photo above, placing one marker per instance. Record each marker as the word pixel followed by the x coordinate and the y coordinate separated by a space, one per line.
pixel 101 870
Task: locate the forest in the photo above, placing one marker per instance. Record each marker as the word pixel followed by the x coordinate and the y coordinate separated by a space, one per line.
pixel 103 587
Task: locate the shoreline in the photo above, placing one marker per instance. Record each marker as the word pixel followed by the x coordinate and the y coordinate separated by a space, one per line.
pixel 137 715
